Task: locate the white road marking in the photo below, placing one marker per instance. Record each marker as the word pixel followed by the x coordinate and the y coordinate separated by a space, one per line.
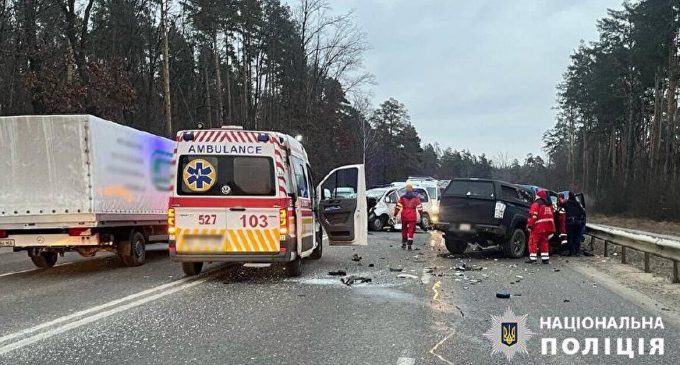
pixel 432 350
pixel 406 361
pixel 83 321
pixel 81 313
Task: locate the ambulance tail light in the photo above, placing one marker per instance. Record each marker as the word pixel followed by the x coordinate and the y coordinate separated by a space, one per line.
pixel 283 222
pixel 171 224
pixel 3 234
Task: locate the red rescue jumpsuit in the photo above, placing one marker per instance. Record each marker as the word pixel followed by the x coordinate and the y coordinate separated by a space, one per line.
pixel 410 206
pixel 562 221
pixel 541 225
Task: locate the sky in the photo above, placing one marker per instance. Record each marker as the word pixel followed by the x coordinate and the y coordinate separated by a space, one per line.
pixel 479 75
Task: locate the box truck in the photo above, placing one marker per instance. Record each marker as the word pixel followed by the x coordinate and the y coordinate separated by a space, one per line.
pixel 81 183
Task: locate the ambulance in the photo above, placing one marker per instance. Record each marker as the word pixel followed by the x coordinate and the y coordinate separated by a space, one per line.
pixel 249 197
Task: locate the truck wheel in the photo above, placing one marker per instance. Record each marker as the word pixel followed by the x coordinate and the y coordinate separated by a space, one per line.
pixel 133 252
pixel 425 223
pixel 516 246
pixel 294 268
pixel 192 268
pixel 455 246
pixel 318 251
pixel 44 260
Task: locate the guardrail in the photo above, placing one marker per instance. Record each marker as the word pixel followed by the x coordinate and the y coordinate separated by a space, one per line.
pixel 649 244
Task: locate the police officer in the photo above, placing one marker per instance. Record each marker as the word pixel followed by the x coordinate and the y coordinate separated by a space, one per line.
pixel 541 226
pixel 410 207
pixel 576 218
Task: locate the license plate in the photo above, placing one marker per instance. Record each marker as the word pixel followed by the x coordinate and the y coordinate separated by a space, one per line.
pixel 7 243
pixel 465 227
pixel 203 244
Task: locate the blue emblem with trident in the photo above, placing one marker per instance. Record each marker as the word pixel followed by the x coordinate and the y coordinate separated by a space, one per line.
pixel 199 175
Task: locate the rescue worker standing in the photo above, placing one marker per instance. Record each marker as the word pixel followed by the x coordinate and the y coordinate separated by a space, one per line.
pixel 576 218
pixel 410 208
pixel 541 226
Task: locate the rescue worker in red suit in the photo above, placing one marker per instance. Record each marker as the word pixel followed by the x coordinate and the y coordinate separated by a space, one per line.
pixel 541 226
pixel 410 207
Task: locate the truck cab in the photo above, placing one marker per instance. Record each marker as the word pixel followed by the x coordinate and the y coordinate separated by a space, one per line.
pixel 250 197
pixel 486 212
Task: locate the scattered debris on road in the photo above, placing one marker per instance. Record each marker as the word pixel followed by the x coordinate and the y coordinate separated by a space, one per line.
pixel 337 273
pixel 353 279
pixel 371 265
pixel 356 258
pixel 407 276
pixel 396 269
pixel 503 295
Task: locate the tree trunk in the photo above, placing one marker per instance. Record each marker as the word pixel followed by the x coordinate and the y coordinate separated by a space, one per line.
pixel 167 107
pixel 218 80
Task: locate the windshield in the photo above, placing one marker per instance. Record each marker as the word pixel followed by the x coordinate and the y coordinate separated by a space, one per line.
pixel 434 192
pixel 225 175
pixel 375 193
pixel 470 188
pixel 422 194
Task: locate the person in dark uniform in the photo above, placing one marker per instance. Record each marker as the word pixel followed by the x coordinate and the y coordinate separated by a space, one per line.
pixel 576 218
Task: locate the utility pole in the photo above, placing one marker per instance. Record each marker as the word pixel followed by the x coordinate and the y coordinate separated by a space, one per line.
pixel 167 109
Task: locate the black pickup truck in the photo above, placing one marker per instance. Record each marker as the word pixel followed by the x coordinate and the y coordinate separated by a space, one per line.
pixel 487 212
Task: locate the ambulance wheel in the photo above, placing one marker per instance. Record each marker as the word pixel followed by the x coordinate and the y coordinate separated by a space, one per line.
pixel 44 260
pixel 377 223
pixel 318 251
pixel 192 268
pixel 455 246
pixel 516 245
pixel 294 268
pixel 133 252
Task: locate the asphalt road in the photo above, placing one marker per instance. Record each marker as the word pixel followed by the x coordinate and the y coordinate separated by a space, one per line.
pixel 94 310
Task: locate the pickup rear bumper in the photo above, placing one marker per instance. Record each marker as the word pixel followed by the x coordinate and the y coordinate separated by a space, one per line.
pixel 476 230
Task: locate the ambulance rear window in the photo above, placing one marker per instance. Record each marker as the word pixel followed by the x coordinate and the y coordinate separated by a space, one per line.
pixel 211 175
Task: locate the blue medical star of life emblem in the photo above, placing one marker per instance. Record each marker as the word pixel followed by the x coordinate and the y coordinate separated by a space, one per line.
pixel 199 175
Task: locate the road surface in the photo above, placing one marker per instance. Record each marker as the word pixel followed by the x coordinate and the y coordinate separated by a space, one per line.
pixel 94 310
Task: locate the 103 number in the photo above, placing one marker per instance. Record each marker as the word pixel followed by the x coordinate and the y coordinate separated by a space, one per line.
pixel 254 221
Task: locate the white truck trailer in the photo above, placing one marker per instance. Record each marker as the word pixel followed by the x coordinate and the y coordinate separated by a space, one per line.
pixel 81 183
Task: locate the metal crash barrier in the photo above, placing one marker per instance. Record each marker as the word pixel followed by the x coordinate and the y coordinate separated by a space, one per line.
pixel 645 242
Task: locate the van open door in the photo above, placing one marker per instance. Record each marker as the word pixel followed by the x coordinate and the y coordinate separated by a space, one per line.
pixel 343 210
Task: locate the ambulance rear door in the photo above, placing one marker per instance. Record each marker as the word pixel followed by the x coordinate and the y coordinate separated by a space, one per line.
pixel 228 197
pixel 343 209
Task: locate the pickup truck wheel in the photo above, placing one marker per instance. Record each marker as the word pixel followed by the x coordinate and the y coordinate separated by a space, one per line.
pixel 517 245
pixel 455 246
pixel 318 251
pixel 425 223
pixel 44 260
pixel 377 223
pixel 294 268
pixel 192 268
pixel 133 252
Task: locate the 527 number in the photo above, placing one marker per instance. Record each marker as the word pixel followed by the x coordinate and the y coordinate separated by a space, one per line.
pixel 254 221
pixel 206 219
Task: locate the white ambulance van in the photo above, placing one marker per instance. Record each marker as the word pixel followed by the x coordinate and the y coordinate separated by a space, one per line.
pixel 249 197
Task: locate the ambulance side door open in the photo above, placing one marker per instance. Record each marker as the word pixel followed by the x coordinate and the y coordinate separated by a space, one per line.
pixel 343 210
